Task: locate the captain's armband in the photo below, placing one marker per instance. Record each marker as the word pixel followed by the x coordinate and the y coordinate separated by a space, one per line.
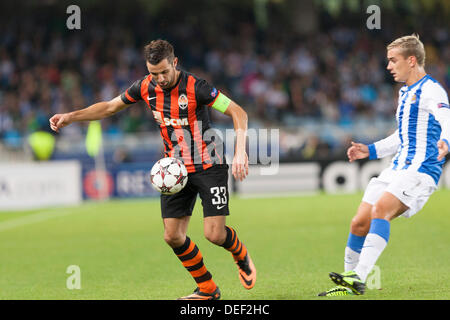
pixel 221 103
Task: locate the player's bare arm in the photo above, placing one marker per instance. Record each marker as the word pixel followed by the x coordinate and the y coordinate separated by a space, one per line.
pixel 443 149
pixel 357 151
pixel 96 111
pixel 240 160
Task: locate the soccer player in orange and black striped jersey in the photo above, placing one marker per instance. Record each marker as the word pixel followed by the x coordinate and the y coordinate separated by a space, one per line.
pixel 183 120
pixel 178 101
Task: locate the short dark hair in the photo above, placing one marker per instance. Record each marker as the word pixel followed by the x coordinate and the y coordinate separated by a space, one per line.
pixel 158 50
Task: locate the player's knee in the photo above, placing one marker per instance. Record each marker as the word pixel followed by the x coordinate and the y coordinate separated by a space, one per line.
pixel 174 239
pixel 359 226
pixel 215 236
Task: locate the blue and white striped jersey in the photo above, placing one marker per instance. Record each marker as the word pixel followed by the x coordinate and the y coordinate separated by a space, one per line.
pixel 423 117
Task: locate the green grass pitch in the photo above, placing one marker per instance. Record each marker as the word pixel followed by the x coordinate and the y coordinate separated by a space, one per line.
pixel 294 242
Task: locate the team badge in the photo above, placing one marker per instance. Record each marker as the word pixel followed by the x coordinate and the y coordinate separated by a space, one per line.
pixel 413 99
pixel 183 101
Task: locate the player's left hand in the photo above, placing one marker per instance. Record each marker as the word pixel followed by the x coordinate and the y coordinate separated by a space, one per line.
pixel 443 149
pixel 239 167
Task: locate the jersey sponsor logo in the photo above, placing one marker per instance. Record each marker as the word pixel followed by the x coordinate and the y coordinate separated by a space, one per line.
pixel 170 122
pixel 176 122
pixel 443 105
pixel 183 101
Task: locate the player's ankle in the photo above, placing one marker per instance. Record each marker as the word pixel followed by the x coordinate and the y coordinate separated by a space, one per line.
pixel 207 286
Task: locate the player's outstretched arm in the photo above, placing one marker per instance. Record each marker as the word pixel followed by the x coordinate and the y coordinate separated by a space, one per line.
pixel 357 151
pixel 96 111
pixel 240 160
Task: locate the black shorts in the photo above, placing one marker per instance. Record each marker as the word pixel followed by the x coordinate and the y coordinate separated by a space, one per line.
pixel 211 185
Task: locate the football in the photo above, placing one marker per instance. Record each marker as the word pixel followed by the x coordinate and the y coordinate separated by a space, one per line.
pixel 169 176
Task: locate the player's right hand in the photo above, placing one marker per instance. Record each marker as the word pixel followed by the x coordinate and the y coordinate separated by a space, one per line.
pixel 357 151
pixel 239 167
pixel 59 121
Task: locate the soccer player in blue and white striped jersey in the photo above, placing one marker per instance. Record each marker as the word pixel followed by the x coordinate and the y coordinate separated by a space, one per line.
pixel 419 146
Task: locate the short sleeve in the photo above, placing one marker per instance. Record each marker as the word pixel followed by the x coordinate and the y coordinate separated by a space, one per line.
pixel 435 96
pixel 439 107
pixel 206 94
pixel 133 93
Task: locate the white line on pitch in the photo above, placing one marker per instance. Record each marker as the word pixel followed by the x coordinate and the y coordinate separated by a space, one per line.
pixel 36 217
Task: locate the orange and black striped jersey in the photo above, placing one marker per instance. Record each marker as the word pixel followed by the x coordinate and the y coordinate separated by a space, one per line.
pixel 183 118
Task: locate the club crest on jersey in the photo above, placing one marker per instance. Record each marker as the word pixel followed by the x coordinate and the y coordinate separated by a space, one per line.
pixel 414 98
pixel 183 101
pixel 443 105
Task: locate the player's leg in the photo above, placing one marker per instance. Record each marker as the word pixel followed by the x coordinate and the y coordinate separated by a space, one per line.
pixel 360 224
pixel 213 190
pixel 176 211
pixel 383 211
pixel 217 232
pixel 405 195
pixel 359 227
pixel 214 229
pixel 387 208
pixel 175 231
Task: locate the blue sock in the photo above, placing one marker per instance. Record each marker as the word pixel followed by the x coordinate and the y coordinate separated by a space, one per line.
pixel 352 251
pixel 381 227
pixel 374 245
pixel 355 242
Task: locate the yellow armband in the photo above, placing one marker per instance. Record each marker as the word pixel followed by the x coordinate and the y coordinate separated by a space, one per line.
pixel 221 103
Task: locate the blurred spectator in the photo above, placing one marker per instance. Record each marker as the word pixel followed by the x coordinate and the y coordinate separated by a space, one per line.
pixel 314 148
pixel 336 75
pixel 120 156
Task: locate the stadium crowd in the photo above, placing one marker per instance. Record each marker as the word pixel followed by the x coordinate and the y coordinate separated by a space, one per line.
pixel 336 75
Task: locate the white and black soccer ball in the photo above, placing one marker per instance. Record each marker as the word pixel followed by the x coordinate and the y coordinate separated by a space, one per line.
pixel 169 176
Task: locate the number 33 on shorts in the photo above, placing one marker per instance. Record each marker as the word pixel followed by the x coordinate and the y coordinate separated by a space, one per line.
pixel 219 198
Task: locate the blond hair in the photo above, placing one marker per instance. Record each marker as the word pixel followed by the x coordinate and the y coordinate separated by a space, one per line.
pixel 410 46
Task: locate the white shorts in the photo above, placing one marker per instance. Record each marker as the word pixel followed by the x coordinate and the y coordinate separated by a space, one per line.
pixel 412 188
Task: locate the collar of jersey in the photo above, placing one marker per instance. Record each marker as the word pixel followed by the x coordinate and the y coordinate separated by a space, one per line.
pixel 423 79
